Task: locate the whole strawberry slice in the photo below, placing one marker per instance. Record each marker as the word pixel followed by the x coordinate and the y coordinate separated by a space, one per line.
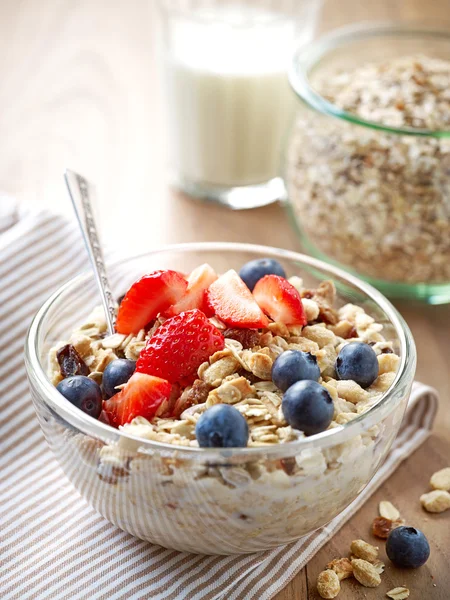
pixel 142 396
pixel 233 302
pixel 179 346
pixel 147 297
pixel 280 300
pixel 198 282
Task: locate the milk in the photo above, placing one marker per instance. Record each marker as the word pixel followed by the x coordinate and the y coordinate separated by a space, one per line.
pixel 229 98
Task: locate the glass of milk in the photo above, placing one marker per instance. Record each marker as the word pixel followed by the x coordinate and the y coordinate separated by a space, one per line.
pixel 229 101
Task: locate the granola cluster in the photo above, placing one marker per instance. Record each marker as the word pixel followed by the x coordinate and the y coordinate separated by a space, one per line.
pixel 240 374
pixel 376 201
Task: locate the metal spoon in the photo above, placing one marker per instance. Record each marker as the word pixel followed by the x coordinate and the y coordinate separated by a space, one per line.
pixel 80 191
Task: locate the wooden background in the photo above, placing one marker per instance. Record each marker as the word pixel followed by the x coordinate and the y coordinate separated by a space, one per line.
pixel 80 88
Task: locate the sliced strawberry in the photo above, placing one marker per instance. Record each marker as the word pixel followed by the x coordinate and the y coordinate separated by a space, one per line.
pixel 280 300
pixel 233 302
pixel 179 346
pixel 142 396
pixel 147 297
pixel 198 282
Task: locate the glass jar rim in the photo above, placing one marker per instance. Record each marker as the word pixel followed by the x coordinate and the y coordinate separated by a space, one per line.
pixel 99 430
pixel 306 57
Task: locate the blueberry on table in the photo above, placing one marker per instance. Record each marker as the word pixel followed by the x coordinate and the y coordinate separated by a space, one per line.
pixel 407 547
pixel 82 392
pixel 116 373
pixel 308 406
pixel 359 362
pixel 293 366
pixel 255 270
pixel 222 426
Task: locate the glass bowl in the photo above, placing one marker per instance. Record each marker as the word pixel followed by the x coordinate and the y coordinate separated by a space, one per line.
pixel 215 501
pixel 370 198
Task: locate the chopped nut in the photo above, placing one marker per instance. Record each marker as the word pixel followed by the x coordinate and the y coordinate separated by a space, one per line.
pixel 351 391
pixel 398 593
pixel 362 549
pixel 365 573
pixel 387 363
pixel 441 480
pixel 260 365
pixel 319 334
pixel 328 584
pixel 342 567
pixel 436 501
pixel 215 373
pixel 311 309
pixel 230 392
pixel 388 510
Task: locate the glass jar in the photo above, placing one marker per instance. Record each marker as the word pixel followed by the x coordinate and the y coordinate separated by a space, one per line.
pixel 365 195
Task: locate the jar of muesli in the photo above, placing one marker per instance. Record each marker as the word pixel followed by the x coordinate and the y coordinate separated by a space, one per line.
pixel 367 165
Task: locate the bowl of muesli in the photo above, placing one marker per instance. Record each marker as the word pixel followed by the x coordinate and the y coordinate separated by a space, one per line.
pixel 246 397
pixel 367 164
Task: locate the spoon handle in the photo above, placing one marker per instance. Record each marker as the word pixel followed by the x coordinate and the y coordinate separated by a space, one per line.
pixel 80 192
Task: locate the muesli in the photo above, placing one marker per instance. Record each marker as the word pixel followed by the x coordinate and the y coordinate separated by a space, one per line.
pixel 377 201
pixel 208 347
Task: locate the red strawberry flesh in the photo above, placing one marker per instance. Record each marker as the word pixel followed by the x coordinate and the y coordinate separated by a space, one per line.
pixel 198 282
pixel 142 396
pixel 233 302
pixel 147 297
pixel 179 346
pixel 280 300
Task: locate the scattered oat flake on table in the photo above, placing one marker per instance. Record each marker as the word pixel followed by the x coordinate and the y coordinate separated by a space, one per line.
pixel 398 593
pixel 328 584
pixel 379 566
pixel 388 510
pixel 436 501
pixel 441 480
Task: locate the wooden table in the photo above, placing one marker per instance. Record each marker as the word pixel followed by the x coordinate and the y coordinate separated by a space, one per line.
pixel 79 87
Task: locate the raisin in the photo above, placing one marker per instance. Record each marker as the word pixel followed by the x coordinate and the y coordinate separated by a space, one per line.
pixel 352 333
pixel 381 527
pixel 387 350
pixel 70 362
pixel 289 465
pixel 247 337
pixel 328 315
pixel 249 376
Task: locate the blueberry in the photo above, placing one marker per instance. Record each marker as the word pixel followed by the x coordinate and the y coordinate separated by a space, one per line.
pixel 117 372
pixel 293 366
pixel 82 392
pixel 357 361
pixel 407 547
pixel 254 270
pixel 222 426
pixel 308 406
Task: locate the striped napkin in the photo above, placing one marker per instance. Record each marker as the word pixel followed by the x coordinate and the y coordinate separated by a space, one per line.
pixel 52 543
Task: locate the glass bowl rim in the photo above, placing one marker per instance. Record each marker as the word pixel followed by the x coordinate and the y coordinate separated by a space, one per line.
pixel 308 56
pixel 102 431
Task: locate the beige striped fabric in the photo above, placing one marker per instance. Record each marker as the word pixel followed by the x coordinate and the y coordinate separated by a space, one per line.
pixel 52 543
